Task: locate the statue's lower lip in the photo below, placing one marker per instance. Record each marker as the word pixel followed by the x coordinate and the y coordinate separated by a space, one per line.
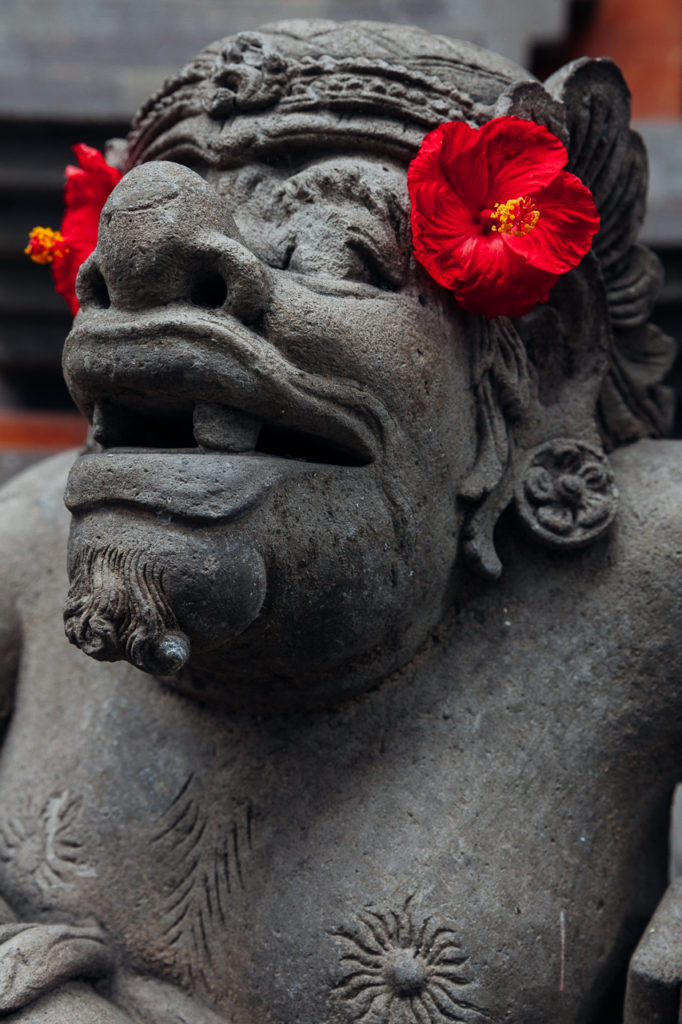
pixel 185 483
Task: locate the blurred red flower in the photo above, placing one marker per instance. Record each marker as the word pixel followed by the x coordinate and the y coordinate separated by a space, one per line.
pixel 85 193
pixel 495 218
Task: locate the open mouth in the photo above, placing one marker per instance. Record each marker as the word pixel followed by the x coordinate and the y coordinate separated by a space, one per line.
pixel 202 423
pixel 150 424
pixel 193 460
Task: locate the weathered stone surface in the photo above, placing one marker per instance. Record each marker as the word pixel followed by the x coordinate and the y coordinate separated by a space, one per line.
pixel 384 721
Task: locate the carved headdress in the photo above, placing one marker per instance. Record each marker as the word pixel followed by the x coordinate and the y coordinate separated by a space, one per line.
pixel 318 84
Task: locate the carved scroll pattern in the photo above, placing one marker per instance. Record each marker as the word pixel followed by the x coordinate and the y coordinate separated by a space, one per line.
pixel 204 864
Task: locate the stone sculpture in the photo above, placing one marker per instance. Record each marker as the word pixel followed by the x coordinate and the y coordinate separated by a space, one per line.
pixel 386 720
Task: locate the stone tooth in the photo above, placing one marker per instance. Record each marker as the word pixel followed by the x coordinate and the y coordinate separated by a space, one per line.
pixel 224 428
pixel 97 420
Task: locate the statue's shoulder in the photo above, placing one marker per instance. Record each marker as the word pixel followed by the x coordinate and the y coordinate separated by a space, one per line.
pixel 649 522
pixel 33 518
pixel 34 528
pixel 649 476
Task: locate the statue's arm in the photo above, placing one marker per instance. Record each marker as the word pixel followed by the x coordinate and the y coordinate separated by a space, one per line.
pixel 654 986
pixel 75 1003
pixel 33 529
pixel 44 967
pixel 655 974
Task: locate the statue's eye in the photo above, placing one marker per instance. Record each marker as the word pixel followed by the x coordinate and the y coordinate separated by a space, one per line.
pixel 287 252
pixel 350 257
pixel 326 239
pixel 382 272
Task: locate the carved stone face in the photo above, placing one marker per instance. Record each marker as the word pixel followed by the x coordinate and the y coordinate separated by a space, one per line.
pixel 281 402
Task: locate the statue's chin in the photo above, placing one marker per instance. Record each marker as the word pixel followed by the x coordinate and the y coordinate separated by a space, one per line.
pixel 296 603
pixel 156 593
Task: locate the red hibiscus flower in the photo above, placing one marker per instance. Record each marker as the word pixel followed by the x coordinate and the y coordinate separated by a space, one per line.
pixel 495 218
pixel 85 193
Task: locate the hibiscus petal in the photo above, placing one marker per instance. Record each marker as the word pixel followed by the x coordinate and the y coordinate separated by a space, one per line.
pixel 425 164
pixel 438 215
pixel 485 276
pixel 567 224
pixel 91 183
pixel 452 153
pixel 95 166
pixel 522 157
pixel 85 193
pixel 64 273
pixel 464 164
pixel 495 281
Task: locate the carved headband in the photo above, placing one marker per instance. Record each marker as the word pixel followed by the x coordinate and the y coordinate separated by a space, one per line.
pixel 257 99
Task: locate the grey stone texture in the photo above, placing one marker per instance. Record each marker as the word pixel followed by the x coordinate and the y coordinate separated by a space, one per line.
pixel 381 720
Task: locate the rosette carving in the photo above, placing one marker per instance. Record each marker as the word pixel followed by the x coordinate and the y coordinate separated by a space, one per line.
pixel 398 969
pixel 566 497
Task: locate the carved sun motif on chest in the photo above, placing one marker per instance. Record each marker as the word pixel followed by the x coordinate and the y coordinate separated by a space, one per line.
pixel 43 845
pixel 396 969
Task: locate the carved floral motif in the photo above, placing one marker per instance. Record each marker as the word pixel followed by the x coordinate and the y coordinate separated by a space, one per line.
pixel 46 846
pixel 567 496
pixel 253 76
pixel 400 971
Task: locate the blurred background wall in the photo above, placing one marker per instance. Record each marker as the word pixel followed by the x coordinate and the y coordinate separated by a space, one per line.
pixel 75 70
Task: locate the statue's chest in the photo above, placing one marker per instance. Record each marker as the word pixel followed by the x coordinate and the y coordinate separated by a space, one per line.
pixel 313 873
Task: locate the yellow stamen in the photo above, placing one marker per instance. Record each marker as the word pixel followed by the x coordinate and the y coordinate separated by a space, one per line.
pixel 515 217
pixel 46 245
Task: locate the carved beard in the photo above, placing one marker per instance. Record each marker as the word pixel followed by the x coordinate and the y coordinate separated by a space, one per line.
pixel 118 607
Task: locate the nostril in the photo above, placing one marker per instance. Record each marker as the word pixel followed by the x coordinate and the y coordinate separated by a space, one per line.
pixel 92 289
pixel 209 291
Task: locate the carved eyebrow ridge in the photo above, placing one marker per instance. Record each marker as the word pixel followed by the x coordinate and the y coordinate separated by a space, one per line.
pixel 349 185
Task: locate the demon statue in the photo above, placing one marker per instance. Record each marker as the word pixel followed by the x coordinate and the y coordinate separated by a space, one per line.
pixel 384 717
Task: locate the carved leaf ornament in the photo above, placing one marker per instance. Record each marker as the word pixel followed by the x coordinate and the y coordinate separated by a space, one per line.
pixel 495 218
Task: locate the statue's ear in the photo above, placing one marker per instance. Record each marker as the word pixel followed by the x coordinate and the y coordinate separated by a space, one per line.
pixel 583 371
pixel 563 486
pixel 537 382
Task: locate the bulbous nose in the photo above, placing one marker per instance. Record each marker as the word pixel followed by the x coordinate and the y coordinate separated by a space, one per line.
pixel 166 236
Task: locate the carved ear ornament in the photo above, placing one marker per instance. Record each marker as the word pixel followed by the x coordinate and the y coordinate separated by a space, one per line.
pixel 565 493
